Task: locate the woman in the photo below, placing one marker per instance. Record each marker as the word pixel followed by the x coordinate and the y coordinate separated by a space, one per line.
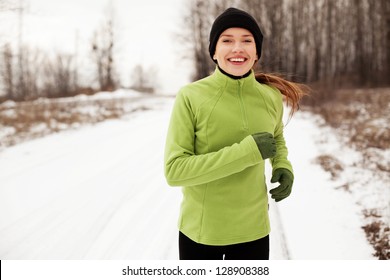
pixel 222 129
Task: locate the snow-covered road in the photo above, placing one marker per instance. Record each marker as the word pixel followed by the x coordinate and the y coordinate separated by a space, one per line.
pixel 99 193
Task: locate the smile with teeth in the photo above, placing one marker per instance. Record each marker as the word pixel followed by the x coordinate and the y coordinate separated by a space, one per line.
pixel 237 59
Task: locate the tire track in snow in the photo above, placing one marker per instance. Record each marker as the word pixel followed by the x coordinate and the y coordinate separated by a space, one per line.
pixel 278 237
pixel 279 248
pixel 112 214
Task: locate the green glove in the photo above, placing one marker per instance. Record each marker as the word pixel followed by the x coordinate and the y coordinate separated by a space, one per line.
pixel 286 179
pixel 266 144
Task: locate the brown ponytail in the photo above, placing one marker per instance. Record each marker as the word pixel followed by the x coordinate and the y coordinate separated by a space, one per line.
pixel 292 91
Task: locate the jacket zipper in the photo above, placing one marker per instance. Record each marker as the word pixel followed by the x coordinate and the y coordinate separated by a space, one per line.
pixel 242 107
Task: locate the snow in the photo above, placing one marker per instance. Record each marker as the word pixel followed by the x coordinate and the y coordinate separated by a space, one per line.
pixel 99 192
pixel 321 221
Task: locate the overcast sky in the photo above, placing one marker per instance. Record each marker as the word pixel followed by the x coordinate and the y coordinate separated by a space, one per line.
pixel 145 33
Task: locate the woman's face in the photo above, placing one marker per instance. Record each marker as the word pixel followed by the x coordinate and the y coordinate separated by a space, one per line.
pixel 235 51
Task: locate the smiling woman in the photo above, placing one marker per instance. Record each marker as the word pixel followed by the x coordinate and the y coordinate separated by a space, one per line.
pixel 224 212
pixel 236 51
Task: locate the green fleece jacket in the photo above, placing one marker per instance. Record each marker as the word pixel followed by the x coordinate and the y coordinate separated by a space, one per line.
pixel 210 153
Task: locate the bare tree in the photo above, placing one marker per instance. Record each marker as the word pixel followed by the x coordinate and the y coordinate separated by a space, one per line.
pixel 42 76
pixel 198 19
pixel 144 80
pixel 198 25
pixel 138 77
pixel 102 51
pixel 18 88
pixel 327 41
pixel 7 72
pixel 32 61
pixel 58 77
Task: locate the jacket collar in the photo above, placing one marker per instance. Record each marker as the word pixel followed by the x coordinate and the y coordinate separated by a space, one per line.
pixel 224 80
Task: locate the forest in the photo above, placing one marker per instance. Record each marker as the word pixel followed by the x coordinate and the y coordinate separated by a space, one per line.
pixel 328 43
pixel 28 72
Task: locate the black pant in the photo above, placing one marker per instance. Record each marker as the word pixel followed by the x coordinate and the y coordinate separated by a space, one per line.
pixel 253 250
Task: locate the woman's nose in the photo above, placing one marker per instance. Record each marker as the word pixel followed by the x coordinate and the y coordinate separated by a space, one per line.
pixel 237 47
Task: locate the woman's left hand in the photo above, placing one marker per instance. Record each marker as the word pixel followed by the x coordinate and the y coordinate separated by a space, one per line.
pixel 286 179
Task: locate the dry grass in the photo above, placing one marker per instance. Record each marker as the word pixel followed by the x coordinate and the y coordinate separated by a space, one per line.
pixel 377 234
pixel 361 113
pixel 28 120
pixel 361 117
pixel 330 164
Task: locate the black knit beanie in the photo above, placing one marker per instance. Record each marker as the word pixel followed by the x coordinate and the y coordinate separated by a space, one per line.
pixel 233 17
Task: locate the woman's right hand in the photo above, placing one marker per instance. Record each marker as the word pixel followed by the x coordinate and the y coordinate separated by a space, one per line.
pixel 266 144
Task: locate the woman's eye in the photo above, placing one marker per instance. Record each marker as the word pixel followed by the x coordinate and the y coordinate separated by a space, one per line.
pixel 226 40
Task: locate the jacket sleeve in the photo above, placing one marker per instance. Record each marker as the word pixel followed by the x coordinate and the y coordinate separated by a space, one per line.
pixel 280 160
pixel 185 168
